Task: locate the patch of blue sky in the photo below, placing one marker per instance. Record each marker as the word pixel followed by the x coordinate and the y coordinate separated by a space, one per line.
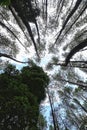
pixel 20 65
pixel 46 113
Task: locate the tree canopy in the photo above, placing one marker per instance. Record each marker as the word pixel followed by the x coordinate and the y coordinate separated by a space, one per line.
pixel 20 95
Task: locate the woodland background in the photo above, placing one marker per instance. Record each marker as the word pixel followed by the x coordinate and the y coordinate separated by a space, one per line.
pixel 50 37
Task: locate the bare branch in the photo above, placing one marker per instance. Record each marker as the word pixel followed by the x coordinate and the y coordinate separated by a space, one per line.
pixel 8 56
pixel 83 86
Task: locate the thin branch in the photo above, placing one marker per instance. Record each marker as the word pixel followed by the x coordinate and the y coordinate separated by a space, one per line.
pixel 62 4
pixel 83 86
pixel 76 64
pixel 46 9
pixel 80 105
pixel 8 56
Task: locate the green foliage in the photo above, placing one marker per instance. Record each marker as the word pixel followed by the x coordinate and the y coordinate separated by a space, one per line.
pixel 51 127
pixel 36 80
pixel 4 2
pixel 42 123
pixel 19 106
pixel 26 9
pixel 11 70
